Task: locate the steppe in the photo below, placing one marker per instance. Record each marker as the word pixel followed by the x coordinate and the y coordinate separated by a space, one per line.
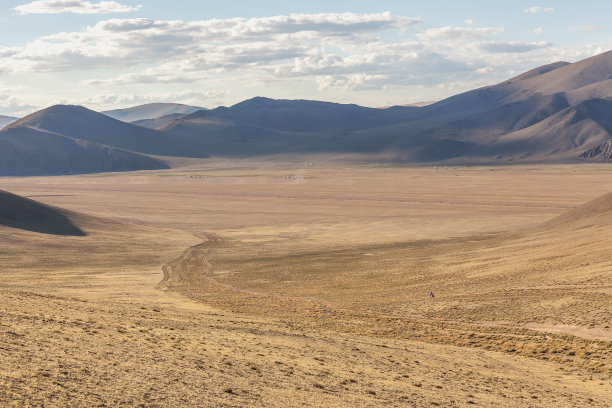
pixel 305 283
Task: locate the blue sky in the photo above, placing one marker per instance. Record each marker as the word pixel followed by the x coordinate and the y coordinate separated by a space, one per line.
pixel 109 54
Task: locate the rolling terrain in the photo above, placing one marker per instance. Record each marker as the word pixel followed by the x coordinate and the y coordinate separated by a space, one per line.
pixel 258 283
pixel 26 150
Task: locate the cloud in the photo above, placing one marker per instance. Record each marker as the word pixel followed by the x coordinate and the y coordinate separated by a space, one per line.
pixel 512 46
pixel 199 45
pixel 10 105
pixel 470 22
pixel 207 97
pixel 538 30
pixel 74 7
pixel 537 9
pixel 351 82
pixel 586 27
pixel 456 33
pixel 344 57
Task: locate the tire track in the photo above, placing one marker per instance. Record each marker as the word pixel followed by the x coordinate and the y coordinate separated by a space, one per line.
pixel 194 263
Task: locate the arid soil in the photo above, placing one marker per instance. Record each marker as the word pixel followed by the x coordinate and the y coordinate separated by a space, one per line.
pixel 290 284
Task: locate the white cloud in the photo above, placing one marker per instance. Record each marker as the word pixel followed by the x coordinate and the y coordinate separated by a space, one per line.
pixel 209 43
pixel 73 6
pixel 11 105
pixel 537 9
pixel 538 30
pixel 456 33
pixel 351 82
pixel 470 22
pixel 209 98
pixel 338 57
pixel 512 46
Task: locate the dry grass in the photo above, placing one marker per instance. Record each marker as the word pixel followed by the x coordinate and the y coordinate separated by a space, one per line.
pixel 310 291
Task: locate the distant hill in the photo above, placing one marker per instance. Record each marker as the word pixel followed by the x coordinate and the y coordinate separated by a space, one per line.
pixel 26 151
pixel 6 120
pixel 301 116
pixel 159 123
pixel 150 111
pixel 23 213
pixel 81 123
pixel 267 126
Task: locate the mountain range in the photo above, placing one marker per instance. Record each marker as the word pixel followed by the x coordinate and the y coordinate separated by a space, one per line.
pixel 556 113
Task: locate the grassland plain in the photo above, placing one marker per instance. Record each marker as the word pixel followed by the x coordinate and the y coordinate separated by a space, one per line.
pixel 288 284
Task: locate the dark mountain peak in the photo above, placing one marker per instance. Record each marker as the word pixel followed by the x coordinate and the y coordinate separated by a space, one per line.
pixel 61 112
pixel 256 102
pixel 260 102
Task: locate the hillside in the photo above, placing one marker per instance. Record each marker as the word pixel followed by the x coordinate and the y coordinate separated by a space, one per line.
pixel 23 213
pixel 150 111
pixel 81 123
pixel 26 151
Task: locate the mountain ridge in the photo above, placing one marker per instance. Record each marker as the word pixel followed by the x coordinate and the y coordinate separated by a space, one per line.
pixel 556 113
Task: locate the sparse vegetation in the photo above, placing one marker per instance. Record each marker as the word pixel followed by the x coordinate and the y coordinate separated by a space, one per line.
pixel 315 293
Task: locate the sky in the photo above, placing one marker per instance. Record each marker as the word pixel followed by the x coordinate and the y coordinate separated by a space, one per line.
pixel 115 54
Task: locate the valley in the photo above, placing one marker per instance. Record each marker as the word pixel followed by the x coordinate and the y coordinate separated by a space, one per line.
pixel 246 282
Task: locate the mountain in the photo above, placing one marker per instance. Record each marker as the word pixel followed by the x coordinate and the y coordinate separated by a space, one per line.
pixel 268 126
pixel 150 111
pixel 159 123
pixel 23 213
pixel 81 123
pixel 26 151
pixel 559 112
pixel 6 120
pixel 555 113
pixel 300 116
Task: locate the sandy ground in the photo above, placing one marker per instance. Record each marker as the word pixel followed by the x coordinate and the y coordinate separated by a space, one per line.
pixel 307 285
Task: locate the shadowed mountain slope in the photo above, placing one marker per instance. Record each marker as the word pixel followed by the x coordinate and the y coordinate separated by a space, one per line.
pixel 81 123
pixel 555 113
pixel 23 213
pixel 559 112
pixel 28 151
pixel 150 111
